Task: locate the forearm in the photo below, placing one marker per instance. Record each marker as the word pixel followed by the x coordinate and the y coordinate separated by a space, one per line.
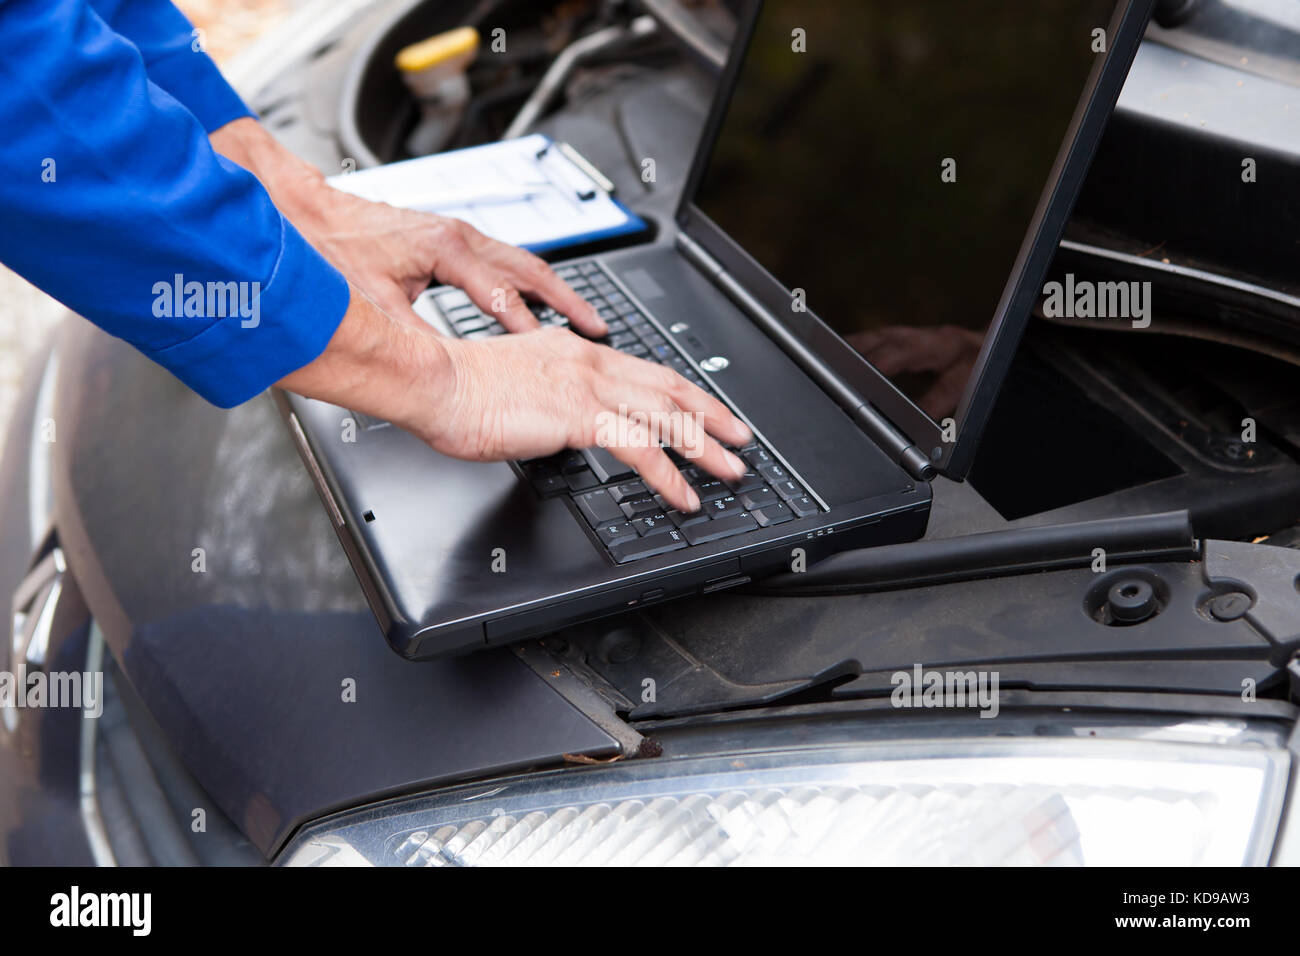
pixel 118 207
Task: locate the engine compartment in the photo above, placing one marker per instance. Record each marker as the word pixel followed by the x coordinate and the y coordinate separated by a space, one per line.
pixel 519 43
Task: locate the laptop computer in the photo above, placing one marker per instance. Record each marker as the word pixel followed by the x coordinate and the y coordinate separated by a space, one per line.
pixel 867 224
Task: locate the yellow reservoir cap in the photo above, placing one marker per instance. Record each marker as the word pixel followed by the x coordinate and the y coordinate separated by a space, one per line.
pixel 463 41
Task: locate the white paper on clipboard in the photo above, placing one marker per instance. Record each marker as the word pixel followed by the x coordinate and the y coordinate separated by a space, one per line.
pixel 523 191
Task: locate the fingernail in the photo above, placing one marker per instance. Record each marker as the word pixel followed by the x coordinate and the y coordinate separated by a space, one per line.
pixel 738 467
pixel 746 435
pixel 692 501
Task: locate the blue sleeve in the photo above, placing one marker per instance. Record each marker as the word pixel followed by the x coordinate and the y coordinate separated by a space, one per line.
pixel 113 202
pixel 166 41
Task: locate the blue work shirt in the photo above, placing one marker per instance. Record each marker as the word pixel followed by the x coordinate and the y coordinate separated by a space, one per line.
pixel 113 201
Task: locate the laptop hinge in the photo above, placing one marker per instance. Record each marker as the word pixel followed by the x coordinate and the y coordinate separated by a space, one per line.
pixel 894 442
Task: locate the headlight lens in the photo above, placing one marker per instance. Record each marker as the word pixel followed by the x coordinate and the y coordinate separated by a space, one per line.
pixel 982 802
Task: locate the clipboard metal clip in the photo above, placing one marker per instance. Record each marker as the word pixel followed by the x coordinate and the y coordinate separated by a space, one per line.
pixel 569 170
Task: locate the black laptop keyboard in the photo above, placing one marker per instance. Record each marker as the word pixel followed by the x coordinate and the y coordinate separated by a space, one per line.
pixel 625 516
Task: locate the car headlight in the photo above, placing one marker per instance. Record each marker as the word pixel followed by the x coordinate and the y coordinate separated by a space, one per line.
pixel 987 801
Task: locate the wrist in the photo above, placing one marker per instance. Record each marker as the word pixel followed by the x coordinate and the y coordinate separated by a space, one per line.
pixel 422 374
pixel 293 184
pixel 382 367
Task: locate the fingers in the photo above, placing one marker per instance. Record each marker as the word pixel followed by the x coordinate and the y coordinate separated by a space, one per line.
pixel 658 407
pixel 576 394
pixel 497 297
pixel 660 474
pixel 718 461
pixel 715 416
pixel 459 264
pixel 666 423
pixel 534 277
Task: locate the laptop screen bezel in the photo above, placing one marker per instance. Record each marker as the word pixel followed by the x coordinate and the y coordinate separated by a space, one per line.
pixel 1024 283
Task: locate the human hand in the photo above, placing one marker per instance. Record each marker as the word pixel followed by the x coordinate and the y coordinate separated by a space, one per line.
pixel 529 395
pixel 392 254
pixel 523 396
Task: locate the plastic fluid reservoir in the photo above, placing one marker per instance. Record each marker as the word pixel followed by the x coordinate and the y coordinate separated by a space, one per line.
pixel 434 71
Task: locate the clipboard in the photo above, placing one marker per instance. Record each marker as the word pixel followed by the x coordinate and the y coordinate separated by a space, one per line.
pixel 531 191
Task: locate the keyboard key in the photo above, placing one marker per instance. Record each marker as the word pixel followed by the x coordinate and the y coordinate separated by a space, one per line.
pixel 463 312
pixel 538 466
pixel 788 489
pixel 682 519
pixel 472 323
pixel 723 527
pixel 581 480
pixel 647 547
pixel 746 482
pixel 629 490
pixel 621 340
pixel 568 461
pixel 598 507
pixel 547 485
pixel 708 490
pixel 639 506
pixel 772 513
pixel 720 506
pixel 759 497
pixel 802 506
pixel 451 299
pixel 774 472
pixel 654 523
pixel 606 467
pixel 616 531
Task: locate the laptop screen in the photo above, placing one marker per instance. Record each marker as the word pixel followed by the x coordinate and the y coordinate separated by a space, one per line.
pixel 886 157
